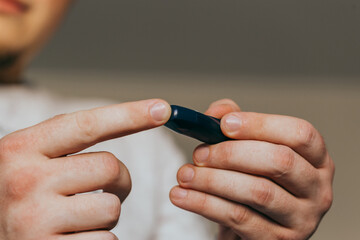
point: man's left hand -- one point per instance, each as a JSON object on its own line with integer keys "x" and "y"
{"x": 273, "y": 181}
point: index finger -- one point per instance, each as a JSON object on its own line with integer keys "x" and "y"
{"x": 71, "y": 133}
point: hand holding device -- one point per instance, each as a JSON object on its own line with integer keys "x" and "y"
{"x": 272, "y": 181}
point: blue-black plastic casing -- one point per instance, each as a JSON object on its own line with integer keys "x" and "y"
{"x": 196, "y": 125}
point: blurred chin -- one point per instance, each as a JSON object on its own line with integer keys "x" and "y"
{"x": 25, "y": 33}
{"x": 13, "y": 35}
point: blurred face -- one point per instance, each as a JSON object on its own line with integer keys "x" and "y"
{"x": 25, "y": 25}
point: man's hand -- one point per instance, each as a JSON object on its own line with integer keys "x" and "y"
{"x": 39, "y": 181}
{"x": 274, "y": 181}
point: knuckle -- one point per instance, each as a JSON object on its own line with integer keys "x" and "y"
{"x": 55, "y": 120}
{"x": 26, "y": 217}
{"x": 309, "y": 138}
{"x": 111, "y": 166}
{"x": 59, "y": 117}
{"x": 306, "y": 225}
{"x": 6, "y": 146}
{"x": 306, "y": 134}
{"x": 113, "y": 210}
{"x": 12, "y": 144}
{"x": 327, "y": 200}
{"x": 284, "y": 161}
{"x": 307, "y": 230}
{"x": 321, "y": 146}
{"x": 262, "y": 193}
{"x": 21, "y": 182}
{"x": 331, "y": 167}
{"x": 311, "y": 228}
{"x": 238, "y": 216}
{"x": 86, "y": 122}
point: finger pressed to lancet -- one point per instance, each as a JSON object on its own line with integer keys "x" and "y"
{"x": 71, "y": 133}
{"x": 295, "y": 133}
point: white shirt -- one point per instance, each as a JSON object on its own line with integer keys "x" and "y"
{"x": 150, "y": 156}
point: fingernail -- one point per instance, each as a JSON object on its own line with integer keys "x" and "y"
{"x": 232, "y": 124}
{"x": 201, "y": 154}
{"x": 179, "y": 193}
{"x": 186, "y": 174}
{"x": 158, "y": 112}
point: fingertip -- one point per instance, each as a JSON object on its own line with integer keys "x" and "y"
{"x": 160, "y": 111}
{"x": 222, "y": 107}
{"x": 186, "y": 174}
{"x": 177, "y": 194}
{"x": 226, "y": 101}
{"x": 231, "y": 124}
{"x": 201, "y": 154}
{"x": 181, "y": 171}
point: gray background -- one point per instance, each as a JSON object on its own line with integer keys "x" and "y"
{"x": 229, "y": 36}
{"x": 298, "y": 58}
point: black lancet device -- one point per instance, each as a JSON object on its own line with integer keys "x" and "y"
{"x": 196, "y": 125}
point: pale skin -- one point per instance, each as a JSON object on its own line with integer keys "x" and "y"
{"x": 273, "y": 181}
{"x": 39, "y": 181}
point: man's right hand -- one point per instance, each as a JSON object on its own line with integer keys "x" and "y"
{"x": 39, "y": 179}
